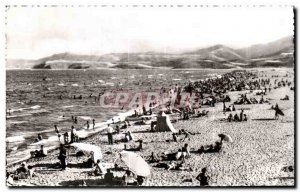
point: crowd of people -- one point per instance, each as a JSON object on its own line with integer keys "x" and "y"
{"x": 216, "y": 88}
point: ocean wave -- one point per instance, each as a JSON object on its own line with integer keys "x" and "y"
{"x": 16, "y": 116}
{"x": 67, "y": 106}
{"x": 85, "y": 117}
{"x": 15, "y": 138}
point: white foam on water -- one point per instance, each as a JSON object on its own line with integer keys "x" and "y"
{"x": 35, "y": 107}
{"x": 53, "y": 142}
{"x": 176, "y": 79}
{"x": 110, "y": 84}
{"x": 67, "y": 106}
{"x": 14, "y": 148}
{"x": 61, "y": 84}
{"x": 22, "y": 109}
{"x": 15, "y": 110}
{"x": 85, "y": 117}
{"x": 15, "y": 138}
{"x": 17, "y": 122}
{"x": 75, "y": 85}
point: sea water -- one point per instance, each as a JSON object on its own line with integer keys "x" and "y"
{"x": 36, "y": 100}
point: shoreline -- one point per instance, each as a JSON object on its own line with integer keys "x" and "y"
{"x": 234, "y": 154}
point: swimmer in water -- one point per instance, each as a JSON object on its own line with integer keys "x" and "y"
{"x": 56, "y": 129}
{"x": 75, "y": 120}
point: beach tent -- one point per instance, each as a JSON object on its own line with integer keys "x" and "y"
{"x": 164, "y": 124}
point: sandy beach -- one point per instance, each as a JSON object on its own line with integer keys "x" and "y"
{"x": 260, "y": 150}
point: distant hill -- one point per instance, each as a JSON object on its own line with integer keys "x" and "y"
{"x": 283, "y": 45}
{"x": 274, "y": 54}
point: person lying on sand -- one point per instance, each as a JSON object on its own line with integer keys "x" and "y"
{"x": 203, "y": 113}
{"x": 217, "y": 147}
{"x": 182, "y": 167}
{"x": 187, "y": 134}
{"x": 41, "y": 153}
{"x": 139, "y": 148}
{"x": 171, "y": 165}
{"x": 179, "y": 167}
{"x": 141, "y": 122}
{"x": 285, "y": 98}
{"x": 153, "y": 158}
{"x": 172, "y": 156}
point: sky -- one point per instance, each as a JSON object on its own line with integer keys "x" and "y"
{"x": 34, "y": 33}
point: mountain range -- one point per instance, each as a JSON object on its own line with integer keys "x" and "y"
{"x": 279, "y": 53}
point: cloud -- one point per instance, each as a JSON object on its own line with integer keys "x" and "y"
{"x": 38, "y": 32}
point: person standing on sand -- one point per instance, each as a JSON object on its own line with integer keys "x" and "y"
{"x": 203, "y": 178}
{"x": 109, "y": 134}
{"x": 87, "y": 124}
{"x": 73, "y": 134}
{"x": 66, "y": 138}
{"x": 93, "y": 123}
{"x": 62, "y": 157}
{"x": 241, "y": 115}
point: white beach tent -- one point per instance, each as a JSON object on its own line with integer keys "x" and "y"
{"x": 164, "y": 124}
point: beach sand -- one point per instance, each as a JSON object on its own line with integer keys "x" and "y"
{"x": 261, "y": 147}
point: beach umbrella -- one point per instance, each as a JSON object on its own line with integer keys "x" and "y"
{"x": 225, "y": 137}
{"x": 89, "y": 148}
{"x": 135, "y": 163}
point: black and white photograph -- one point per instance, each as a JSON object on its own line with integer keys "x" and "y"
{"x": 150, "y": 96}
